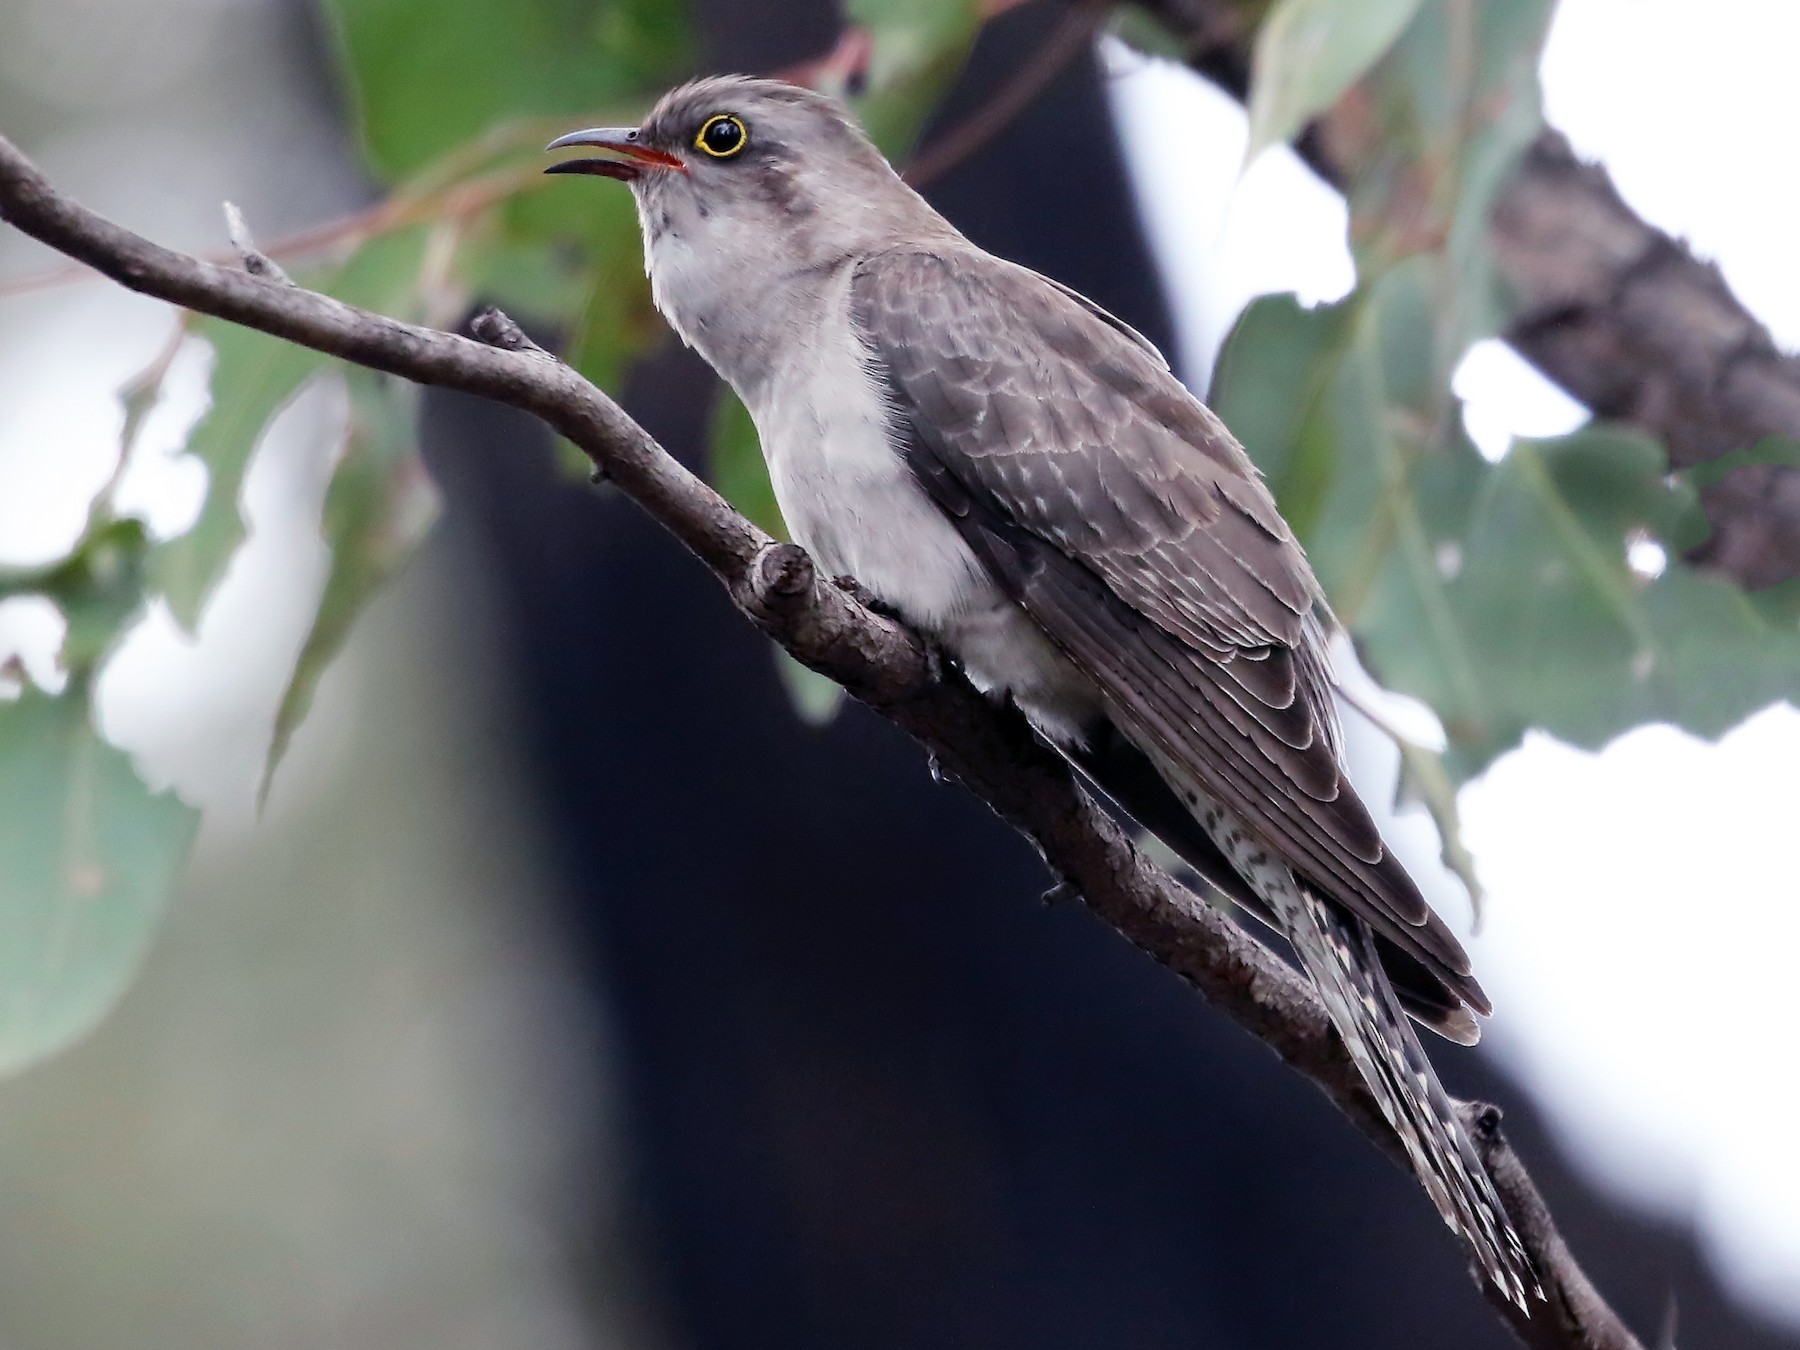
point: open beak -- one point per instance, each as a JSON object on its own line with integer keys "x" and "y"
{"x": 634, "y": 159}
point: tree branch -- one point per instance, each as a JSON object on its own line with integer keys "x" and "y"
{"x": 1072, "y": 36}
{"x": 881, "y": 662}
{"x": 1637, "y": 328}
{"x": 1615, "y": 311}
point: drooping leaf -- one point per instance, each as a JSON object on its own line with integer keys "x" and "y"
{"x": 614, "y": 320}
{"x": 254, "y": 377}
{"x": 1143, "y": 31}
{"x": 737, "y": 469}
{"x": 379, "y": 507}
{"x": 88, "y": 855}
{"x": 1350, "y": 413}
{"x": 816, "y": 698}
{"x": 1425, "y": 781}
{"x": 1308, "y": 53}
{"x": 1781, "y": 451}
{"x": 1499, "y": 594}
{"x": 98, "y": 588}
{"x": 1431, "y": 136}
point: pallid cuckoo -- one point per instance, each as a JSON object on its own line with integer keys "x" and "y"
{"x": 1019, "y": 475}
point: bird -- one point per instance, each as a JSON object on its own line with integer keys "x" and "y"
{"x": 1018, "y": 474}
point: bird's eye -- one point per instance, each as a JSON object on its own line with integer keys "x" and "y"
{"x": 722, "y": 136}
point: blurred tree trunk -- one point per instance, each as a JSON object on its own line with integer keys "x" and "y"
{"x": 1612, "y": 309}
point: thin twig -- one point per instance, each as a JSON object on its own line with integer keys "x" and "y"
{"x": 989, "y": 750}
{"x": 1071, "y": 36}
{"x": 456, "y": 200}
{"x": 255, "y": 261}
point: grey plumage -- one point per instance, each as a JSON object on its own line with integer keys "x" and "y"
{"x": 1019, "y": 474}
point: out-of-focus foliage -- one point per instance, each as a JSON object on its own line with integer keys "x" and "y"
{"x": 88, "y": 854}
{"x": 1308, "y": 52}
{"x": 429, "y": 77}
{"x": 88, "y": 851}
{"x": 378, "y": 508}
{"x": 1502, "y": 594}
{"x": 917, "y": 46}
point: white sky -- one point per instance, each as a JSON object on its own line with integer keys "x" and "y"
{"x": 1642, "y": 939}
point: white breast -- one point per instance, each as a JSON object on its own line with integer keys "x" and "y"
{"x": 847, "y": 495}
{"x": 844, "y": 490}
{"x": 851, "y": 501}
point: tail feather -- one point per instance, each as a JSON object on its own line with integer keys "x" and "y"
{"x": 1338, "y": 952}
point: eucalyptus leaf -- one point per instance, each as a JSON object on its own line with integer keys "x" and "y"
{"x": 379, "y": 507}
{"x": 427, "y": 76}
{"x": 1308, "y": 54}
{"x": 1499, "y": 594}
{"x": 1146, "y": 32}
{"x": 1349, "y": 410}
{"x": 88, "y": 855}
{"x": 918, "y": 47}
{"x": 615, "y": 320}
{"x": 254, "y": 377}
{"x": 1425, "y": 781}
{"x": 816, "y": 698}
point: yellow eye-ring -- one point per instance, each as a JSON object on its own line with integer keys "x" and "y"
{"x": 722, "y": 136}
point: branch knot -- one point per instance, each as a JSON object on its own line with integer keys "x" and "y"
{"x": 495, "y": 328}
{"x": 783, "y": 578}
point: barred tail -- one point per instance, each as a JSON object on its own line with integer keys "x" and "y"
{"x": 1338, "y": 953}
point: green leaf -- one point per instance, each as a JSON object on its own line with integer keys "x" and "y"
{"x": 1777, "y": 450}
{"x": 1308, "y": 54}
{"x": 737, "y": 469}
{"x": 1499, "y": 594}
{"x": 98, "y": 589}
{"x": 379, "y": 507}
{"x": 427, "y": 76}
{"x": 736, "y": 465}
{"x": 254, "y": 377}
{"x": 1437, "y": 126}
{"x": 816, "y": 698}
{"x": 88, "y": 856}
{"x": 1148, "y": 33}
{"x": 1779, "y": 603}
{"x": 614, "y": 319}
{"x": 918, "y": 48}
{"x": 1349, "y": 410}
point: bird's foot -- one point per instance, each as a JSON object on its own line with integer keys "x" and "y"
{"x": 866, "y": 598}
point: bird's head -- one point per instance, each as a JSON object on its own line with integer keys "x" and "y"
{"x": 765, "y": 161}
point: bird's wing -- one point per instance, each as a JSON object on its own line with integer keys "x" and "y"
{"x": 1123, "y": 516}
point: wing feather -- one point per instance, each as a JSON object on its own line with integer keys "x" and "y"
{"x": 1123, "y": 516}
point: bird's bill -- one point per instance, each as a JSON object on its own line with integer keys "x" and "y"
{"x": 622, "y": 141}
